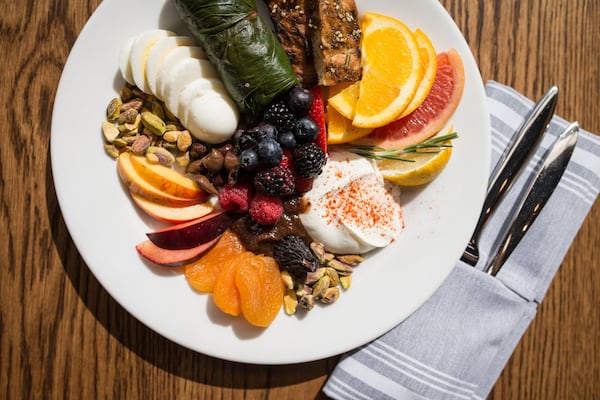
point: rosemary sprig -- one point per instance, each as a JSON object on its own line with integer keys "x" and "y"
{"x": 379, "y": 153}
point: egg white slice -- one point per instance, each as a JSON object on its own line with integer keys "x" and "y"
{"x": 139, "y": 54}
{"x": 175, "y": 56}
{"x": 212, "y": 118}
{"x": 197, "y": 88}
{"x": 159, "y": 52}
{"x": 124, "y": 56}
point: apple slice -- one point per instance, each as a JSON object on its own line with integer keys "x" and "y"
{"x": 192, "y": 233}
{"x": 137, "y": 184}
{"x": 172, "y": 258}
{"x": 172, "y": 215}
{"x": 167, "y": 180}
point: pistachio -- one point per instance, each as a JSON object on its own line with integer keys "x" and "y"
{"x": 183, "y": 160}
{"x": 290, "y": 302}
{"x": 307, "y": 302}
{"x": 184, "y": 140}
{"x": 132, "y": 127}
{"x": 288, "y": 280}
{"x": 172, "y": 127}
{"x": 321, "y": 286}
{"x": 205, "y": 184}
{"x": 120, "y": 143}
{"x": 330, "y": 295}
{"x": 153, "y": 123}
{"x": 140, "y": 145}
{"x": 136, "y": 104}
{"x": 164, "y": 156}
{"x": 110, "y": 131}
{"x": 128, "y": 116}
{"x": 171, "y": 136}
{"x": 340, "y": 267}
{"x": 113, "y": 109}
{"x": 351, "y": 259}
{"x": 318, "y": 250}
{"x": 125, "y": 93}
{"x": 314, "y": 276}
{"x": 334, "y": 277}
{"x": 157, "y": 109}
{"x": 346, "y": 281}
{"x": 152, "y": 158}
{"x": 112, "y": 150}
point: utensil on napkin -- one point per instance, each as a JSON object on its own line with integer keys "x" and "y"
{"x": 456, "y": 345}
{"x": 515, "y": 157}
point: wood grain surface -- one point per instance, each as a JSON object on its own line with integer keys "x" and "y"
{"x": 63, "y": 336}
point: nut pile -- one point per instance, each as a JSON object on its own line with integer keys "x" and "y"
{"x": 321, "y": 283}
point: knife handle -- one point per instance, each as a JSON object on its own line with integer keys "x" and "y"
{"x": 521, "y": 148}
{"x": 546, "y": 180}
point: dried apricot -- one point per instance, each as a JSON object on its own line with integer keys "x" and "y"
{"x": 261, "y": 289}
{"x": 225, "y": 292}
{"x": 202, "y": 273}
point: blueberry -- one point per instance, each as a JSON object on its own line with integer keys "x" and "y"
{"x": 270, "y": 152}
{"x": 265, "y": 131}
{"x": 287, "y": 140}
{"x": 249, "y": 160}
{"x": 305, "y": 130}
{"x": 299, "y": 100}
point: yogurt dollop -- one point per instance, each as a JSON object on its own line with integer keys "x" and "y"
{"x": 350, "y": 209}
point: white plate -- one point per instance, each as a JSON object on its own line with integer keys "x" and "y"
{"x": 105, "y": 225}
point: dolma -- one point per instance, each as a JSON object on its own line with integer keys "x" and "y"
{"x": 250, "y": 60}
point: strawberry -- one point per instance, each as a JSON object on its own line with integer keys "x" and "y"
{"x": 317, "y": 114}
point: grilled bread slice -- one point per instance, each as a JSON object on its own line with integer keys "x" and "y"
{"x": 291, "y": 19}
{"x": 335, "y": 37}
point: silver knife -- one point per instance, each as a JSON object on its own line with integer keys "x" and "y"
{"x": 519, "y": 151}
{"x": 542, "y": 186}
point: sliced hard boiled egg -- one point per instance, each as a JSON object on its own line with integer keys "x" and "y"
{"x": 124, "y": 64}
{"x": 182, "y": 73}
{"x": 212, "y": 118}
{"x": 159, "y": 52}
{"x": 175, "y": 56}
{"x": 139, "y": 53}
{"x": 197, "y": 88}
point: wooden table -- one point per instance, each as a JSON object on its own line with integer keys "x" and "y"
{"x": 63, "y": 336}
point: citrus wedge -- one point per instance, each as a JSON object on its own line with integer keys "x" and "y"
{"x": 391, "y": 71}
{"x": 429, "y": 68}
{"x": 340, "y": 129}
{"x": 423, "y": 167}
{"x": 344, "y": 97}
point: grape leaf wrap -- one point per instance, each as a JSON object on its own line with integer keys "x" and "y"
{"x": 250, "y": 60}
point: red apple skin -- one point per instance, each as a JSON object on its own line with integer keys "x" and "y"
{"x": 193, "y": 233}
{"x": 172, "y": 258}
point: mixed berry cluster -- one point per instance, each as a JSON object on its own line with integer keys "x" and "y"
{"x": 278, "y": 157}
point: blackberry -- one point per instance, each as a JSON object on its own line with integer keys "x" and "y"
{"x": 279, "y": 115}
{"x": 276, "y": 181}
{"x": 309, "y": 160}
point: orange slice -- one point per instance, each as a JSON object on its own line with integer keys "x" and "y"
{"x": 429, "y": 68}
{"x": 340, "y": 129}
{"x": 391, "y": 71}
{"x": 344, "y": 97}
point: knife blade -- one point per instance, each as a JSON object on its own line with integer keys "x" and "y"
{"x": 539, "y": 191}
{"x": 519, "y": 150}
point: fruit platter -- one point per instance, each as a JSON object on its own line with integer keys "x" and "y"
{"x": 206, "y": 193}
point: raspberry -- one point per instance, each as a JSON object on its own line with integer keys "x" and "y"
{"x": 309, "y": 160}
{"x": 302, "y": 184}
{"x": 276, "y": 181}
{"x": 235, "y": 197}
{"x": 264, "y": 209}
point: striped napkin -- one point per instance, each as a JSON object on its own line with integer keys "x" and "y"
{"x": 456, "y": 345}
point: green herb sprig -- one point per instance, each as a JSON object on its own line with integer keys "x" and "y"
{"x": 428, "y": 146}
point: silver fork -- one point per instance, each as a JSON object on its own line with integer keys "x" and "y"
{"x": 511, "y": 163}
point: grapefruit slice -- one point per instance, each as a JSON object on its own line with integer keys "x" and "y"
{"x": 432, "y": 115}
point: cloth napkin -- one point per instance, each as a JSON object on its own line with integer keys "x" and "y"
{"x": 456, "y": 345}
